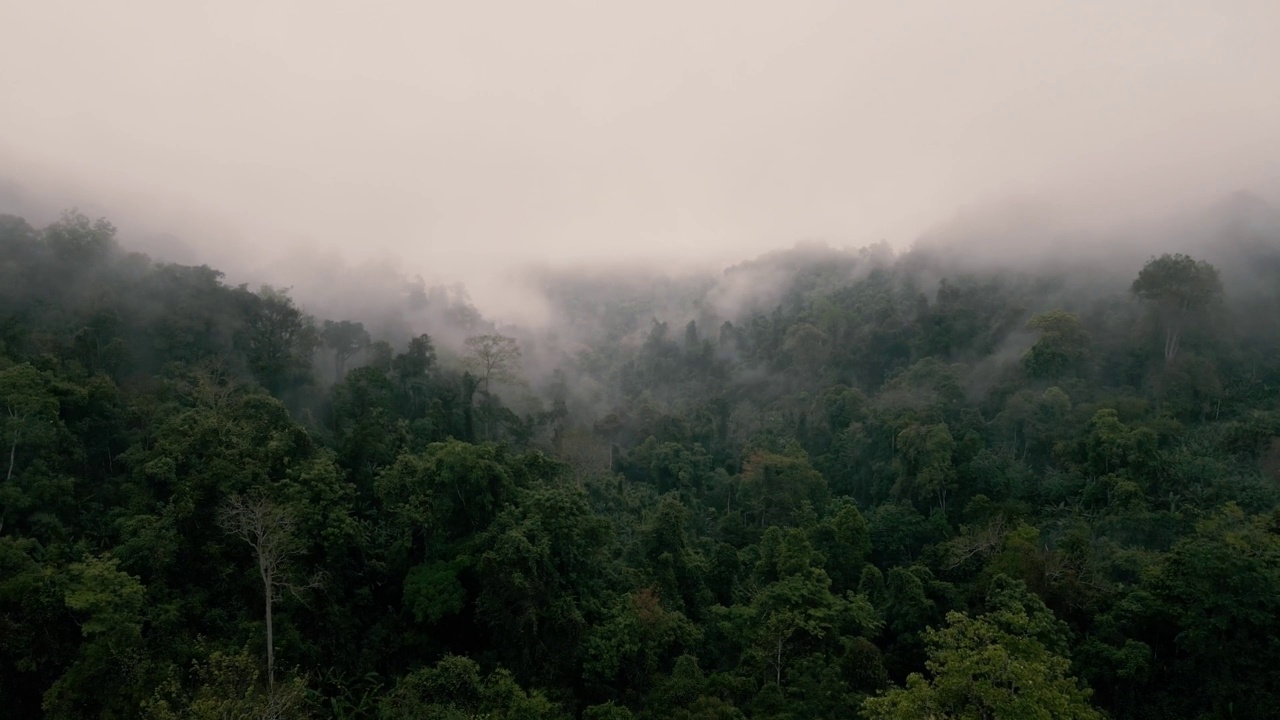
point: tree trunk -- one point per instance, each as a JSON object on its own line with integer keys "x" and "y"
{"x": 339, "y": 367}
{"x": 1173, "y": 332}
{"x": 267, "y": 581}
{"x": 1171, "y": 337}
{"x": 13, "y": 451}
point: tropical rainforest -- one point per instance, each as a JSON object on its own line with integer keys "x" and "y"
{"x": 822, "y": 484}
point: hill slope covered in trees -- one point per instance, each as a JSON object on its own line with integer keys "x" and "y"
{"x": 826, "y": 484}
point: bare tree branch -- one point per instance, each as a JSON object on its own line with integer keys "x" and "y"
{"x": 268, "y": 529}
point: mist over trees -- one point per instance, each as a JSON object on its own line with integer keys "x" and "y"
{"x": 824, "y": 483}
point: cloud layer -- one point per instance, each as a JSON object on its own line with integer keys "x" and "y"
{"x": 468, "y": 139}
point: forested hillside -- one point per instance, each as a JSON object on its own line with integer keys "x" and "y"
{"x": 824, "y": 484}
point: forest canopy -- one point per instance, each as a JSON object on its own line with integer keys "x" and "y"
{"x": 828, "y": 484}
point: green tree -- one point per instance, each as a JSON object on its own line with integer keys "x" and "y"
{"x": 807, "y": 347}
{"x": 1062, "y": 346}
{"x": 1215, "y": 606}
{"x": 111, "y": 666}
{"x": 845, "y": 540}
{"x": 996, "y": 666}
{"x": 412, "y": 370}
{"x": 368, "y": 434}
{"x": 639, "y": 639}
{"x": 228, "y": 686}
{"x": 80, "y": 242}
{"x": 345, "y": 339}
{"x": 30, "y": 411}
{"x": 777, "y": 486}
{"x": 278, "y": 338}
{"x": 792, "y": 612}
{"x": 1179, "y": 287}
{"x": 455, "y": 689}
{"x": 925, "y": 468}
{"x": 434, "y": 500}
{"x": 539, "y": 573}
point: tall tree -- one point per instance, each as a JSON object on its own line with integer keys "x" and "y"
{"x": 268, "y": 529}
{"x": 345, "y": 339}
{"x": 1180, "y": 287}
{"x": 29, "y": 410}
{"x": 412, "y": 370}
{"x": 278, "y": 339}
{"x": 493, "y": 357}
{"x": 79, "y": 241}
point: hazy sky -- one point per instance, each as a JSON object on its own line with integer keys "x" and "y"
{"x": 459, "y": 134}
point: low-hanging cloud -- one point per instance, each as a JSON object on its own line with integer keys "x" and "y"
{"x": 461, "y": 142}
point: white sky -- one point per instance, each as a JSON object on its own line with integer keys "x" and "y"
{"x": 471, "y": 135}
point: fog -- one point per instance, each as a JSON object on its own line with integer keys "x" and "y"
{"x": 466, "y": 141}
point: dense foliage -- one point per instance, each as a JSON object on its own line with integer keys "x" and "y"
{"x": 828, "y": 485}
